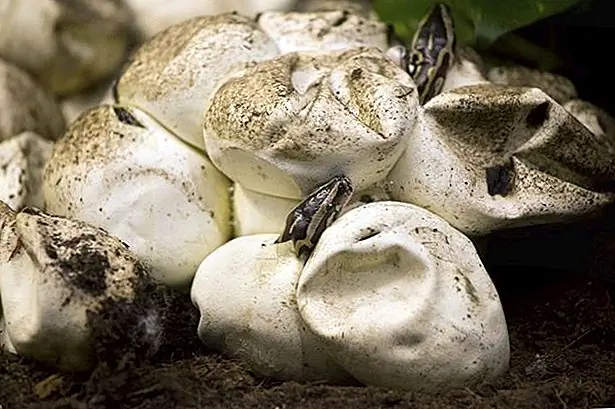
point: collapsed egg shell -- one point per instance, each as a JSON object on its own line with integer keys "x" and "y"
{"x": 72, "y": 295}
{"x": 173, "y": 75}
{"x": 27, "y": 106}
{"x": 314, "y": 117}
{"x": 487, "y": 157}
{"x": 400, "y": 299}
{"x": 119, "y": 169}
{"x": 67, "y": 45}
{"x": 245, "y": 292}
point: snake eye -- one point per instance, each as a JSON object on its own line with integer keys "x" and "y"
{"x": 125, "y": 117}
{"x": 369, "y": 233}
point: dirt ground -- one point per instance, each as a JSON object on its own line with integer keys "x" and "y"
{"x": 562, "y": 332}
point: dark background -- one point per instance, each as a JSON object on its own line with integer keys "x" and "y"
{"x": 584, "y": 40}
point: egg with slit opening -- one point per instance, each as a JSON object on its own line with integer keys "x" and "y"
{"x": 400, "y": 299}
{"x": 315, "y": 116}
{"x": 118, "y": 168}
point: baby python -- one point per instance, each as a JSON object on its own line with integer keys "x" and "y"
{"x": 430, "y": 57}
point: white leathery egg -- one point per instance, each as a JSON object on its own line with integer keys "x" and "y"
{"x": 596, "y": 119}
{"x": 314, "y": 117}
{"x": 173, "y": 75}
{"x": 22, "y": 161}
{"x": 27, "y": 106}
{"x": 487, "y": 157}
{"x": 468, "y": 68}
{"x": 66, "y": 45}
{"x": 257, "y": 213}
{"x": 245, "y": 292}
{"x": 154, "y": 16}
{"x": 72, "y": 295}
{"x": 119, "y": 169}
{"x": 400, "y": 299}
{"x": 319, "y": 31}
{"x": 560, "y": 88}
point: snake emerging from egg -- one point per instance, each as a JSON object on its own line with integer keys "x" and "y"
{"x": 428, "y": 61}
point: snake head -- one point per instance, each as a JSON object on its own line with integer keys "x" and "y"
{"x": 309, "y": 219}
{"x": 433, "y": 48}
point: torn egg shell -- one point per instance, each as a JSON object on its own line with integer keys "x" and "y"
{"x": 26, "y": 105}
{"x": 319, "y": 31}
{"x": 315, "y": 116}
{"x": 596, "y": 119}
{"x": 66, "y": 45}
{"x": 22, "y": 161}
{"x": 400, "y": 299}
{"x": 490, "y": 157}
{"x": 152, "y": 17}
{"x": 71, "y": 294}
{"x": 560, "y": 88}
{"x": 174, "y": 75}
{"x": 118, "y": 169}
{"x": 245, "y": 292}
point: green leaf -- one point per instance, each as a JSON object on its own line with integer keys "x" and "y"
{"x": 477, "y": 22}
